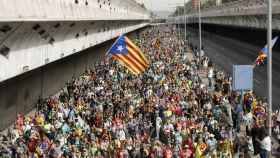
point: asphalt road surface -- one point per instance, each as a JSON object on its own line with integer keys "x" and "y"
{"x": 229, "y": 47}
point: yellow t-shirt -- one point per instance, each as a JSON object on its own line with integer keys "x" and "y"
{"x": 40, "y": 120}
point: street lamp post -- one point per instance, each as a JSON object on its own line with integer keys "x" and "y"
{"x": 179, "y": 22}
{"x": 269, "y": 61}
{"x": 199, "y": 25}
{"x": 185, "y": 21}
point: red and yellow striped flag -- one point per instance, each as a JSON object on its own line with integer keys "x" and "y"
{"x": 129, "y": 55}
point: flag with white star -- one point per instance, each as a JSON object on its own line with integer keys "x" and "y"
{"x": 129, "y": 55}
{"x": 264, "y": 52}
{"x": 119, "y": 46}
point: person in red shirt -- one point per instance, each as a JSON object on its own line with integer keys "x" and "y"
{"x": 20, "y": 122}
{"x": 167, "y": 152}
{"x": 186, "y": 152}
{"x": 178, "y": 110}
{"x": 32, "y": 144}
{"x": 189, "y": 143}
{"x": 179, "y": 125}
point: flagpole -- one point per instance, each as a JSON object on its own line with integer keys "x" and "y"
{"x": 269, "y": 61}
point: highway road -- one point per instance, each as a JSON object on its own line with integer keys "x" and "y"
{"x": 229, "y": 47}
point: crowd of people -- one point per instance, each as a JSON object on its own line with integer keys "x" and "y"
{"x": 169, "y": 111}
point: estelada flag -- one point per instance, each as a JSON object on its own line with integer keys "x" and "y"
{"x": 263, "y": 53}
{"x": 129, "y": 55}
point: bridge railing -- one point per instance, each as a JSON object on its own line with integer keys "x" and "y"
{"x": 239, "y": 7}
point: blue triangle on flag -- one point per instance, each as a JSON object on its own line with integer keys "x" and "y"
{"x": 119, "y": 47}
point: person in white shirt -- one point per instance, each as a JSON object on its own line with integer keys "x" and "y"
{"x": 202, "y": 53}
{"x": 265, "y": 144}
{"x": 278, "y": 116}
{"x": 121, "y": 135}
{"x": 210, "y": 77}
{"x": 249, "y": 118}
{"x": 250, "y": 146}
{"x": 158, "y": 126}
{"x": 277, "y": 129}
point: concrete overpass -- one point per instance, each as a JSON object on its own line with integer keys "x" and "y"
{"x": 44, "y": 43}
{"x": 241, "y": 13}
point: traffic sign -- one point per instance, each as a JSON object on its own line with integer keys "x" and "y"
{"x": 242, "y": 77}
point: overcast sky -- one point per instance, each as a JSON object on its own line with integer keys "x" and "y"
{"x": 162, "y": 5}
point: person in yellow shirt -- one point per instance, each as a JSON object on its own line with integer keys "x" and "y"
{"x": 40, "y": 120}
{"x": 200, "y": 148}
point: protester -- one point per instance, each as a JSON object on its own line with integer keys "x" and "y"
{"x": 265, "y": 143}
